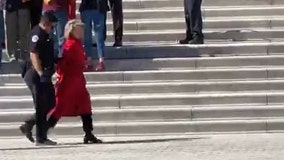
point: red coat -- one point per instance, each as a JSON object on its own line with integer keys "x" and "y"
{"x": 72, "y": 96}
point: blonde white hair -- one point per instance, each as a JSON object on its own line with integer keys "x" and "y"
{"x": 69, "y": 27}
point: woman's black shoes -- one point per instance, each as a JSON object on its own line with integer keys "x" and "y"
{"x": 91, "y": 139}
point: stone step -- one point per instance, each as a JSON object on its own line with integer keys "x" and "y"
{"x": 182, "y": 63}
{"x": 178, "y": 12}
{"x": 176, "y": 127}
{"x": 209, "y": 23}
{"x": 161, "y": 114}
{"x": 138, "y": 4}
{"x": 195, "y": 63}
{"x": 170, "y": 75}
{"x": 144, "y": 100}
{"x": 165, "y": 87}
{"x": 230, "y": 34}
{"x": 169, "y": 49}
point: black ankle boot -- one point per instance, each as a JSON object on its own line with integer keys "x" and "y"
{"x": 27, "y": 130}
{"x": 90, "y": 138}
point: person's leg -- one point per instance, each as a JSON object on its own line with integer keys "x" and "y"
{"x": 40, "y": 116}
{"x": 2, "y": 27}
{"x": 72, "y": 9}
{"x": 197, "y": 25}
{"x": 86, "y": 17}
{"x": 27, "y": 127}
{"x": 24, "y": 29}
{"x": 98, "y": 21}
{"x": 88, "y": 128}
{"x": 35, "y": 12}
{"x": 11, "y": 19}
{"x": 2, "y": 35}
{"x": 105, "y": 27}
{"x": 188, "y": 6}
{"x": 50, "y": 104}
{"x": 1, "y": 54}
{"x": 117, "y": 17}
{"x": 62, "y": 17}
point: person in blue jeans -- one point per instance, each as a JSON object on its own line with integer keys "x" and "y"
{"x": 60, "y": 11}
{"x": 93, "y": 16}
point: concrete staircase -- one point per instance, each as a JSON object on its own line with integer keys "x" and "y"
{"x": 233, "y": 83}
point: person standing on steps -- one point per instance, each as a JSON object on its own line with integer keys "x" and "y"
{"x": 93, "y": 14}
{"x": 35, "y": 8}
{"x": 117, "y": 18}
{"x": 2, "y": 29}
{"x": 72, "y": 96}
{"x": 17, "y": 20}
{"x": 38, "y": 78}
{"x": 60, "y": 9}
{"x": 194, "y": 24}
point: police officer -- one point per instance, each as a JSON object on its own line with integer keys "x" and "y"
{"x": 193, "y": 18}
{"x": 38, "y": 78}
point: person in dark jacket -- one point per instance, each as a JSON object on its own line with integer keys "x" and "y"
{"x": 93, "y": 14}
{"x": 17, "y": 27}
{"x": 38, "y": 78}
{"x": 193, "y": 18}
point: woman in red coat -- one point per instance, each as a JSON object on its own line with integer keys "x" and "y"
{"x": 72, "y": 96}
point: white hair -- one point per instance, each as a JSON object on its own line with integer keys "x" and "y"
{"x": 69, "y": 27}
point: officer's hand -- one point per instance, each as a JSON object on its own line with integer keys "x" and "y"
{"x": 40, "y": 73}
{"x": 45, "y": 77}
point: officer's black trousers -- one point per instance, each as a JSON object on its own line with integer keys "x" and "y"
{"x": 44, "y": 100}
{"x": 193, "y": 18}
{"x": 35, "y": 12}
{"x": 117, "y": 17}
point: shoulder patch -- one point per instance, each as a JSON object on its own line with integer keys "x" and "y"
{"x": 35, "y": 38}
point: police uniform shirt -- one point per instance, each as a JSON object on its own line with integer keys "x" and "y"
{"x": 41, "y": 44}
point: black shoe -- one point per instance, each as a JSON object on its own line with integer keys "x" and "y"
{"x": 183, "y": 41}
{"x": 94, "y": 45}
{"x": 26, "y": 130}
{"x": 197, "y": 41}
{"x": 90, "y": 138}
{"x": 117, "y": 44}
{"x": 46, "y": 142}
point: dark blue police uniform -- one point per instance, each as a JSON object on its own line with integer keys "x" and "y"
{"x": 41, "y": 87}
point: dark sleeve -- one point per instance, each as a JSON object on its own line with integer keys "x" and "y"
{"x": 34, "y": 43}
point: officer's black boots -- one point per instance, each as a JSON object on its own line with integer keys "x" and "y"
{"x": 90, "y": 138}
{"x": 26, "y": 129}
